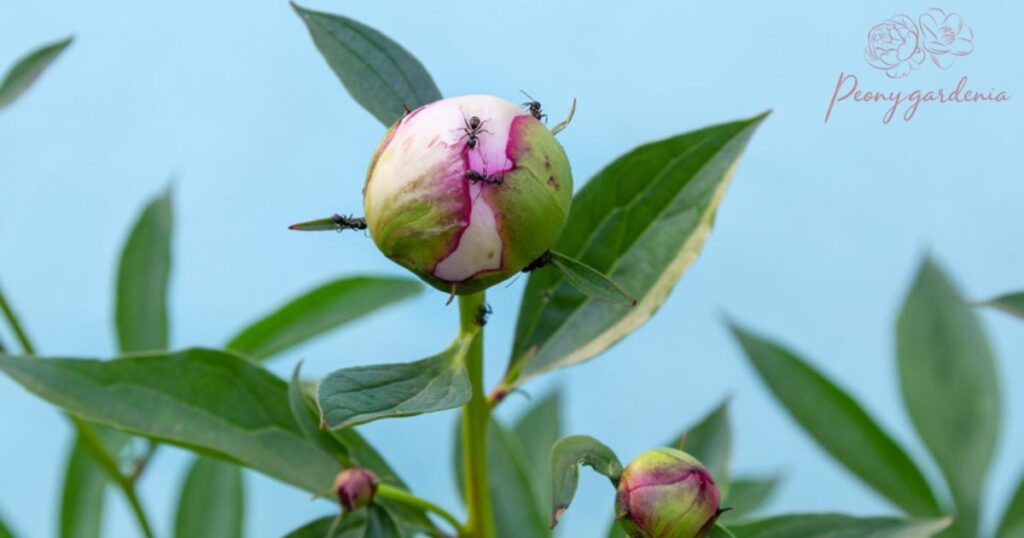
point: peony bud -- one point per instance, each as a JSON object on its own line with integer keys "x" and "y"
{"x": 355, "y": 487}
{"x": 666, "y": 493}
{"x": 467, "y": 191}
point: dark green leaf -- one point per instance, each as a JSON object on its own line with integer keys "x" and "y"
{"x": 537, "y": 431}
{"x": 320, "y": 310}
{"x": 361, "y": 394}
{"x": 950, "y": 386}
{"x": 641, "y": 221}
{"x": 211, "y": 401}
{"x": 27, "y": 70}
{"x": 838, "y": 526}
{"x": 382, "y": 76}
{"x": 305, "y": 416}
{"x": 746, "y": 496}
{"x": 1011, "y": 303}
{"x": 517, "y": 508}
{"x": 710, "y": 441}
{"x": 380, "y": 523}
{"x": 1012, "y": 525}
{"x": 840, "y": 425}
{"x": 566, "y": 456}
{"x": 589, "y": 281}
{"x": 4, "y": 531}
{"x": 719, "y": 531}
{"x": 351, "y": 526}
{"x": 142, "y": 276}
{"x": 212, "y": 501}
{"x": 85, "y": 484}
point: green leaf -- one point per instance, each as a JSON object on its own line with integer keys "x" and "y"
{"x": 85, "y": 485}
{"x": 839, "y": 425}
{"x": 746, "y": 496}
{"x": 362, "y": 394}
{"x": 142, "y": 277}
{"x": 950, "y": 386}
{"x": 589, "y": 281}
{"x": 710, "y": 441}
{"x": 641, "y": 221}
{"x": 380, "y": 75}
{"x": 517, "y": 508}
{"x": 329, "y": 306}
{"x": 380, "y": 523}
{"x": 1011, "y": 303}
{"x": 4, "y": 531}
{"x": 838, "y": 526}
{"x": 306, "y": 417}
{"x": 351, "y": 526}
{"x": 1012, "y": 525}
{"x": 566, "y": 456}
{"x": 719, "y": 531}
{"x": 27, "y": 70}
{"x": 537, "y": 431}
{"x": 210, "y": 401}
{"x": 212, "y": 501}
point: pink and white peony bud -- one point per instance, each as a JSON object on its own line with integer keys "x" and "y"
{"x": 666, "y": 493}
{"x": 467, "y": 191}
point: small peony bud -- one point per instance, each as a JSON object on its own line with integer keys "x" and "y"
{"x": 666, "y": 493}
{"x": 355, "y": 487}
{"x": 467, "y": 191}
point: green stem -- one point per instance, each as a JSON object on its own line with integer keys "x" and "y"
{"x": 475, "y": 418}
{"x": 386, "y": 491}
{"x": 97, "y": 448}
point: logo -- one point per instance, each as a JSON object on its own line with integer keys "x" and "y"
{"x": 900, "y": 46}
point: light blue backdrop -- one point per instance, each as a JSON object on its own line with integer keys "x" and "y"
{"x": 815, "y": 243}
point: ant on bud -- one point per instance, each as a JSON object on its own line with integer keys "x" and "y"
{"x": 471, "y": 132}
{"x": 483, "y": 313}
{"x": 533, "y": 106}
{"x": 475, "y": 177}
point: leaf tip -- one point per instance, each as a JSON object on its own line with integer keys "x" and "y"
{"x": 557, "y": 515}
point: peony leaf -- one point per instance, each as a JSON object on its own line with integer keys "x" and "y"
{"x": 142, "y": 279}
{"x": 641, "y": 221}
{"x": 589, "y": 281}
{"x": 1011, "y": 303}
{"x": 566, "y": 457}
{"x": 836, "y": 525}
{"x": 28, "y": 69}
{"x": 317, "y": 311}
{"x": 212, "y": 501}
{"x": 362, "y": 394}
{"x": 382, "y": 76}
{"x": 746, "y": 496}
{"x": 1013, "y": 520}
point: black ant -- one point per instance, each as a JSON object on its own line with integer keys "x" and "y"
{"x": 348, "y": 223}
{"x": 482, "y": 314}
{"x": 533, "y": 106}
{"x": 475, "y": 176}
{"x": 472, "y": 130}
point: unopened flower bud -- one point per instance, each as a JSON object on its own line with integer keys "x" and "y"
{"x": 467, "y": 191}
{"x": 666, "y": 493}
{"x": 355, "y": 487}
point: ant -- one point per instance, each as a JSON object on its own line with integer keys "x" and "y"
{"x": 533, "y": 106}
{"x": 475, "y": 176}
{"x": 348, "y": 223}
{"x": 472, "y": 130}
{"x": 482, "y": 314}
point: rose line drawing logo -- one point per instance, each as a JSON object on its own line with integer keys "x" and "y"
{"x": 900, "y": 45}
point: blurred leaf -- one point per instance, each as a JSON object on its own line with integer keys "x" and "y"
{"x": 589, "y": 281}
{"x": 380, "y": 523}
{"x": 837, "y": 526}
{"x": 205, "y": 400}
{"x": 719, "y": 531}
{"x": 641, "y": 221}
{"x": 839, "y": 425}
{"x": 320, "y": 310}
{"x": 1012, "y": 525}
{"x": 142, "y": 276}
{"x": 85, "y": 485}
{"x": 27, "y": 70}
{"x": 306, "y": 418}
{"x": 351, "y": 526}
{"x": 212, "y": 501}
{"x": 378, "y": 73}
{"x": 950, "y": 386}
{"x": 4, "y": 531}
{"x": 1011, "y": 303}
{"x": 566, "y": 456}
{"x": 517, "y": 508}
{"x": 746, "y": 496}
{"x": 710, "y": 441}
{"x": 362, "y": 394}
{"x": 539, "y": 428}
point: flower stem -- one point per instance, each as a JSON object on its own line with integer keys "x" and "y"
{"x": 386, "y": 491}
{"x": 475, "y": 419}
{"x": 86, "y": 432}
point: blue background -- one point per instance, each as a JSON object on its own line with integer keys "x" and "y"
{"x": 229, "y": 101}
